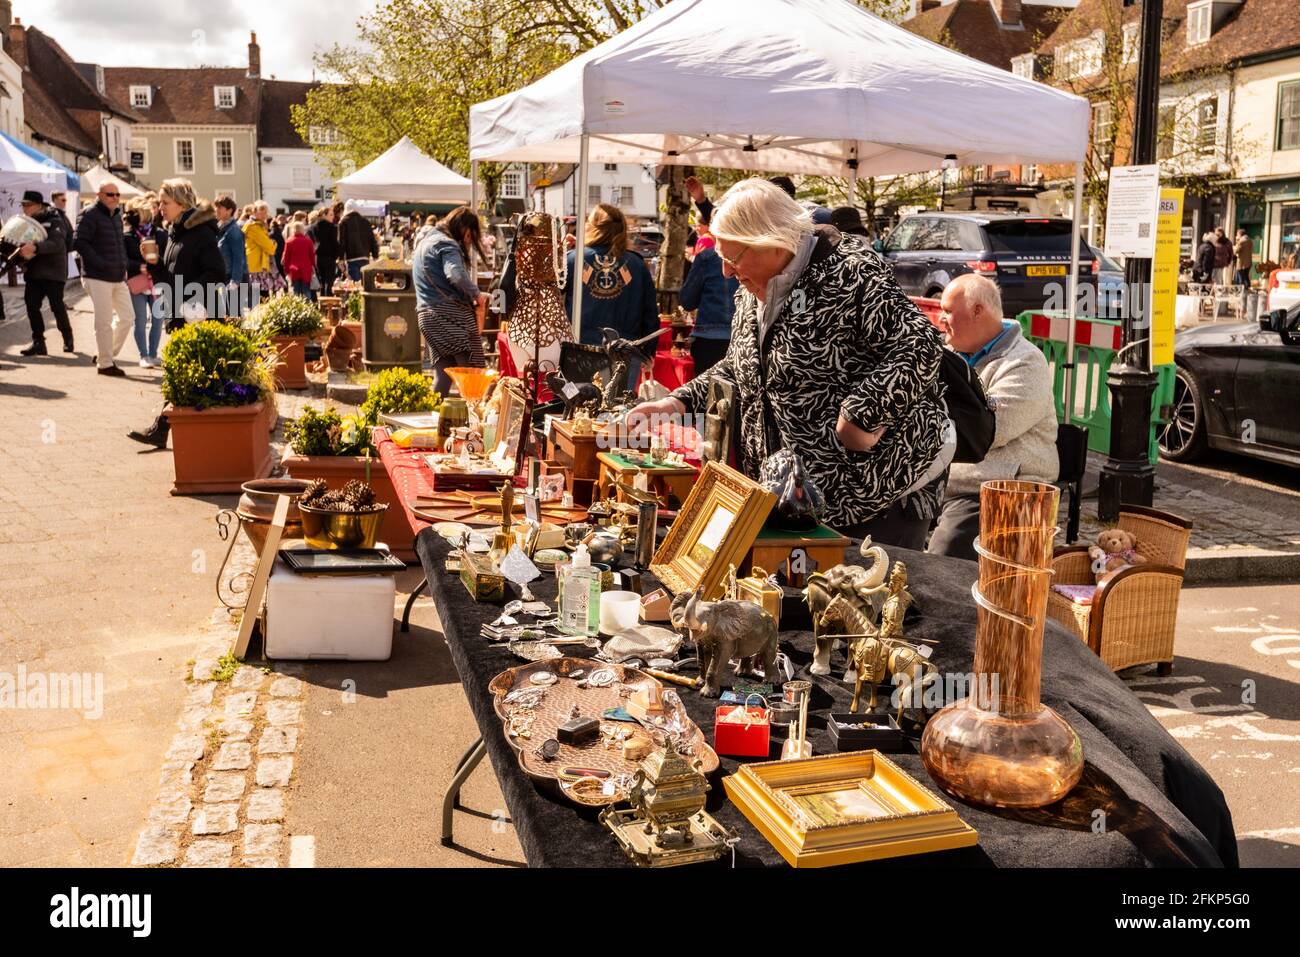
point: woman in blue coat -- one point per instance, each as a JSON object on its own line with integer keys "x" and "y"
{"x": 618, "y": 291}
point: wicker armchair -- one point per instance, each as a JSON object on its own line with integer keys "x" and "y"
{"x": 1131, "y": 619}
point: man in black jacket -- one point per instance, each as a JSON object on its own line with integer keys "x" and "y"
{"x": 45, "y": 273}
{"x": 102, "y": 248}
{"x": 357, "y": 240}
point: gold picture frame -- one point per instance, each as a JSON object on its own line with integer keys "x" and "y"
{"x": 844, "y": 808}
{"x": 716, "y": 526}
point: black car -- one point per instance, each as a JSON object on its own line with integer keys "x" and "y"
{"x": 1235, "y": 390}
{"x": 1027, "y": 256}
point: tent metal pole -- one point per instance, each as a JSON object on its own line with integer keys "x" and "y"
{"x": 580, "y": 250}
{"x": 473, "y": 185}
{"x": 1076, "y": 230}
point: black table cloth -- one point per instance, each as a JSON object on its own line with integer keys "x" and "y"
{"x": 1143, "y": 802}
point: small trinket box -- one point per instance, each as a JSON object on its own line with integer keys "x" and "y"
{"x": 742, "y": 731}
{"x": 578, "y": 731}
{"x": 864, "y": 732}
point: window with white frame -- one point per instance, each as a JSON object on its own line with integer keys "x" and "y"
{"x": 593, "y": 195}
{"x": 1103, "y": 131}
{"x": 624, "y": 196}
{"x": 223, "y": 152}
{"x": 224, "y": 97}
{"x": 611, "y": 167}
{"x": 512, "y": 185}
{"x": 323, "y": 135}
{"x": 1207, "y": 126}
{"x": 1199, "y": 23}
{"x": 184, "y": 156}
{"x": 1023, "y": 66}
{"x": 138, "y": 155}
{"x": 1080, "y": 58}
{"x": 1129, "y": 51}
{"x": 300, "y": 177}
{"x": 142, "y": 96}
{"x": 1288, "y": 115}
{"x": 1029, "y": 173}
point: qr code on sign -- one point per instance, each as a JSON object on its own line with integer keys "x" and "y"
{"x": 1144, "y": 230}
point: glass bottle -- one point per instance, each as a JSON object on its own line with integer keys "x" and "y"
{"x": 580, "y": 596}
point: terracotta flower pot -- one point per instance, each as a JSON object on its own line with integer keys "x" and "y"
{"x": 218, "y": 450}
{"x": 291, "y": 370}
{"x": 338, "y": 470}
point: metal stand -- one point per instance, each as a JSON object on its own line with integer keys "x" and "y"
{"x": 451, "y": 800}
{"x": 1128, "y": 477}
{"x": 406, "y": 612}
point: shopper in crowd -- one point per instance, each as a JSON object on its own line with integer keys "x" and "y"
{"x": 59, "y": 200}
{"x": 848, "y": 220}
{"x": 1206, "y": 256}
{"x": 618, "y": 291}
{"x": 713, "y": 297}
{"x": 246, "y": 215}
{"x": 259, "y": 247}
{"x": 1018, "y": 383}
{"x": 357, "y": 241}
{"x": 194, "y": 270}
{"x": 430, "y": 224}
{"x": 45, "y": 272}
{"x": 300, "y": 260}
{"x": 276, "y": 230}
{"x": 1243, "y": 254}
{"x": 101, "y": 244}
{"x": 325, "y": 234}
{"x": 1222, "y": 257}
{"x": 703, "y": 237}
{"x": 232, "y": 243}
{"x": 446, "y": 295}
{"x": 138, "y": 221}
{"x": 848, "y": 373}
{"x": 821, "y": 216}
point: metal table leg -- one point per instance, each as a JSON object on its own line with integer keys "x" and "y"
{"x": 406, "y": 613}
{"x": 468, "y": 763}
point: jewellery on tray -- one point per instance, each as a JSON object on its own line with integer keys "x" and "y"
{"x": 525, "y": 697}
{"x": 600, "y": 678}
{"x": 543, "y": 678}
{"x": 549, "y": 749}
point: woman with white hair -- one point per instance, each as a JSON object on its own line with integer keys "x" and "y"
{"x": 829, "y": 359}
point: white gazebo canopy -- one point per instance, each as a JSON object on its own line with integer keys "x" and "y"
{"x": 97, "y": 176}
{"x": 403, "y": 174}
{"x": 801, "y": 86}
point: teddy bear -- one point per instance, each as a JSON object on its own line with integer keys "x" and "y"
{"x": 1115, "y": 551}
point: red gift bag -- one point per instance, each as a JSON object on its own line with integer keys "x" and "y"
{"x": 742, "y": 731}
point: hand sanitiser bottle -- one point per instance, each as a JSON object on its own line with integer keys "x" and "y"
{"x": 580, "y": 596}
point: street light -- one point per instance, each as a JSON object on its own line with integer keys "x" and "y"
{"x": 1129, "y": 477}
{"x": 949, "y": 162}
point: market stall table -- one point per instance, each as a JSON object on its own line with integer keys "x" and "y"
{"x": 664, "y": 479}
{"x": 1161, "y": 807}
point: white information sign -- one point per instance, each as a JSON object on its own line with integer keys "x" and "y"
{"x": 1132, "y": 208}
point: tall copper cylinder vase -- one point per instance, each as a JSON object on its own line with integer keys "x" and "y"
{"x": 1001, "y": 746}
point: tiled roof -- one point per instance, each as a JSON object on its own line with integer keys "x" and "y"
{"x": 275, "y": 129}
{"x": 973, "y": 28}
{"x": 1255, "y": 28}
{"x": 53, "y": 87}
{"x": 186, "y": 96}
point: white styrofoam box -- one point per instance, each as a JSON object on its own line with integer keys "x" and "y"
{"x": 344, "y": 617}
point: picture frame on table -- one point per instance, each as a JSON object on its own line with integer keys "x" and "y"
{"x": 716, "y": 526}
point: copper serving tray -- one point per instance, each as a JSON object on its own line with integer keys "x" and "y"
{"x": 844, "y": 808}
{"x": 593, "y": 702}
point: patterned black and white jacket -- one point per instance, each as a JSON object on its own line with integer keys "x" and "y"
{"x": 847, "y": 341}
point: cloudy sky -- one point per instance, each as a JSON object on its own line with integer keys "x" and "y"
{"x": 196, "y": 32}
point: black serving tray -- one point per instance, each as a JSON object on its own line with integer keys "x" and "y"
{"x": 884, "y": 735}
{"x": 324, "y": 561}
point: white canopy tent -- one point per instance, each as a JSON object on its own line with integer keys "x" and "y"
{"x": 95, "y": 177}
{"x": 802, "y": 86}
{"x": 403, "y": 174}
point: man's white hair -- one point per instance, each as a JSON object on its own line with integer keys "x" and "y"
{"x": 756, "y": 213}
{"x": 979, "y": 290}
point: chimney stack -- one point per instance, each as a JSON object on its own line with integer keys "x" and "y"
{"x": 254, "y": 56}
{"x": 1008, "y": 12}
{"x": 16, "y": 44}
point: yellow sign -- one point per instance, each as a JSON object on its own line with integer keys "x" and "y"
{"x": 1164, "y": 276}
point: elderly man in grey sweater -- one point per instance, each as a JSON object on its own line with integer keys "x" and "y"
{"x": 1018, "y": 383}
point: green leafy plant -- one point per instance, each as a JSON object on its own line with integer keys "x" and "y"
{"x": 354, "y": 306}
{"x": 207, "y": 364}
{"x": 397, "y": 391}
{"x": 287, "y": 315}
{"x": 326, "y": 432}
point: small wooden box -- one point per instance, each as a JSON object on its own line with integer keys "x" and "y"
{"x": 481, "y": 579}
{"x": 755, "y": 588}
{"x": 577, "y": 455}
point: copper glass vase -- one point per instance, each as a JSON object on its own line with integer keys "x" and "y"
{"x": 1001, "y": 746}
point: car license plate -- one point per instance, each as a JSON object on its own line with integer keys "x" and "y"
{"x": 1289, "y": 284}
{"x": 1044, "y": 270}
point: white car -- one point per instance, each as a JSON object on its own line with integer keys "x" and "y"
{"x": 1287, "y": 293}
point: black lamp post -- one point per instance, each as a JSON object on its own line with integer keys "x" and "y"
{"x": 1129, "y": 477}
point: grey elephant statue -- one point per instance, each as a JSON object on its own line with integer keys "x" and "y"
{"x": 723, "y": 630}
